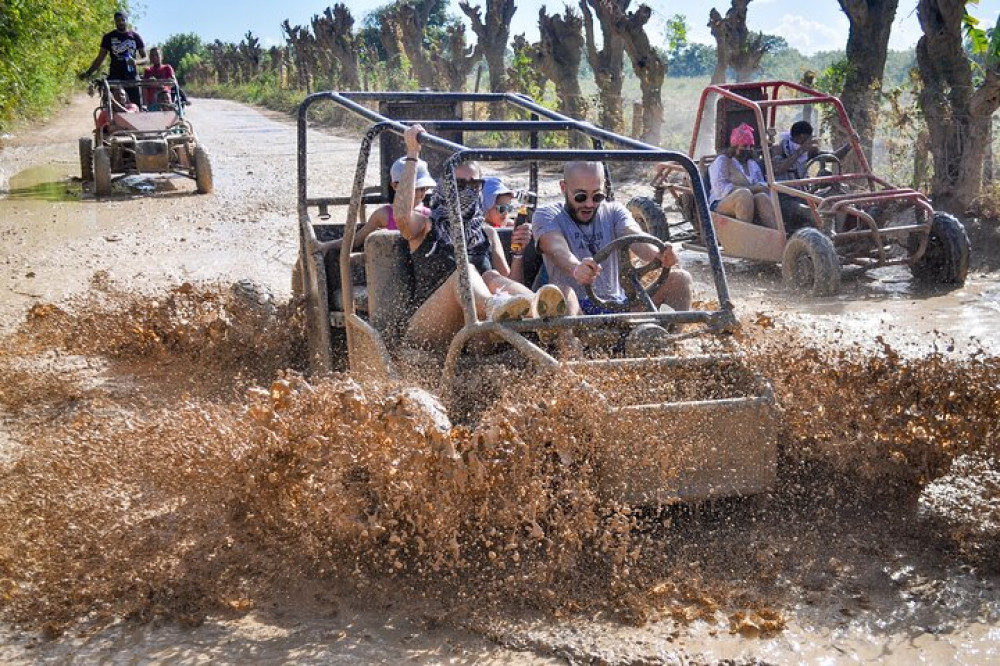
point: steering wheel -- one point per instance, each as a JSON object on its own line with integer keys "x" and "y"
{"x": 821, "y": 161}
{"x": 629, "y": 276}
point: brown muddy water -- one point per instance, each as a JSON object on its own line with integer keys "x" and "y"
{"x": 174, "y": 490}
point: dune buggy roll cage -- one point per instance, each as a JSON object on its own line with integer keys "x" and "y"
{"x": 541, "y": 119}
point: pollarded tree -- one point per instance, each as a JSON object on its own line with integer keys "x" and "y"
{"x": 867, "y": 47}
{"x": 411, "y": 21}
{"x": 301, "y": 44}
{"x": 524, "y": 74}
{"x": 736, "y": 47}
{"x": 452, "y": 58}
{"x": 492, "y": 34}
{"x": 249, "y": 53}
{"x": 651, "y": 68}
{"x": 335, "y": 39}
{"x": 558, "y": 56}
{"x": 957, "y": 110}
{"x": 608, "y": 63}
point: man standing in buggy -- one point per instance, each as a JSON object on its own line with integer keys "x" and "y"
{"x": 123, "y": 45}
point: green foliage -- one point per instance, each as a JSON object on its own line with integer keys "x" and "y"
{"x": 43, "y": 44}
{"x": 676, "y": 32}
{"x": 183, "y": 51}
{"x": 831, "y": 80}
{"x": 683, "y": 58}
{"x": 982, "y": 46}
{"x": 691, "y": 60}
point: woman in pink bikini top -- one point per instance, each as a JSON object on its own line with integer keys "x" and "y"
{"x": 382, "y": 217}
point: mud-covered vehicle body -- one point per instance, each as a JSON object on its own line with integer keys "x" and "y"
{"x": 157, "y": 138}
{"x": 840, "y": 215}
{"x": 670, "y": 440}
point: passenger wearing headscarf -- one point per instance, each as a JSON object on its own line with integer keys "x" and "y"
{"x": 436, "y": 298}
{"x": 738, "y": 186}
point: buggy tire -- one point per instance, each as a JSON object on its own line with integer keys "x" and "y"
{"x": 650, "y": 217}
{"x": 810, "y": 263}
{"x": 86, "y": 159}
{"x": 102, "y": 172}
{"x": 202, "y": 171}
{"x": 946, "y": 260}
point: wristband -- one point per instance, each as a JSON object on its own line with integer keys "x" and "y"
{"x": 516, "y": 256}
{"x": 411, "y": 159}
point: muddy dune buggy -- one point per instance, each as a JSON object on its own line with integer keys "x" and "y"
{"x": 670, "y": 438}
{"x": 839, "y": 215}
{"x": 155, "y": 138}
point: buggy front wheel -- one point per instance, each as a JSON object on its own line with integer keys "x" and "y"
{"x": 810, "y": 263}
{"x": 102, "y": 171}
{"x": 86, "y": 159}
{"x": 946, "y": 259}
{"x": 202, "y": 171}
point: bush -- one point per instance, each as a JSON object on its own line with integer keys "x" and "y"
{"x": 43, "y": 44}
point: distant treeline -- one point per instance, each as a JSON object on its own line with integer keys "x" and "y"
{"x": 43, "y": 44}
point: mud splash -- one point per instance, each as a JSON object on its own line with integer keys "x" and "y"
{"x": 172, "y": 463}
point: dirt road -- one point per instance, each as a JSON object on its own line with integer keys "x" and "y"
{"x": 856, "y": 578}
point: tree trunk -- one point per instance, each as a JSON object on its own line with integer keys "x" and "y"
{"x": 411, "y": 21}
{"x": 867, "y": 47}
{"x": 492, "y": 36}
{"x": 958, "y": 114}
{"x": 730, "y": 35}
{"x": 746, "y": 61}
{"x": 608, "y": 63}
{"x": 649, "y": 67}
{"x": 558, "y": 56}
{"x": 454, "y": 62}
{"x": 334, "y": 31}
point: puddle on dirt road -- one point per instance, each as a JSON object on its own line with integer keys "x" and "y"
{"x": 172, "y": 476}
{"x": 48, "y": 182}
{"x": 883, "y": 303}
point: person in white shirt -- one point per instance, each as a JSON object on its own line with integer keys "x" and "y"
{"x": 739, "y": 189}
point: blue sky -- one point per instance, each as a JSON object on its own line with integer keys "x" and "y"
{"x": 810, "y": 26}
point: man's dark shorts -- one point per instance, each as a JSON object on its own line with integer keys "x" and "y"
{"x": 589, "y": 307}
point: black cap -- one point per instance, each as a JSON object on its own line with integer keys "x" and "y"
{"x": 122, "y": 14}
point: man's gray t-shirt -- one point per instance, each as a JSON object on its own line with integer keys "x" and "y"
{"x": 611, "y": 220}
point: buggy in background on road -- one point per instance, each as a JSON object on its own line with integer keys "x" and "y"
{"x": 156, "y": 138}
{"x": 841, "y": 214}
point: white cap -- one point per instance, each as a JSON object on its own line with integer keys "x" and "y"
{"x": 423, "y": 173}
{"x": 492, "y": 188}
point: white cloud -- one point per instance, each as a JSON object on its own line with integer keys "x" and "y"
{"x": 811, "y": 36}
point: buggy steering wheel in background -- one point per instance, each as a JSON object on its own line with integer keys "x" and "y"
{"x": 630, "y": 276}
{"x": 820, "y": 163}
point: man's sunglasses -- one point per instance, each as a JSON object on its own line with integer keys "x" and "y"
{"x": 503, "y": 209}
{"x": 596, "y": 197}
{"x": 464, "y": 183}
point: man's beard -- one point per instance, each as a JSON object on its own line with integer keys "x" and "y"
{"x": 572, "y": 212}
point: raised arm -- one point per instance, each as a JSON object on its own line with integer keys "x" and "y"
{"x": 412, "y": 224}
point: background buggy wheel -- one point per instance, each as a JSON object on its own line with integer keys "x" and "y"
{"x": 810, "y": 263}
{"x": 650, "y": 217}
{"x": 202, "y": 170}
{"x": 102, "y": 171}
{"x": 86, "y": 159}
{"x": 946, "y": 260}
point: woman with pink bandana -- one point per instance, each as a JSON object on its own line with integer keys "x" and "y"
{"x": 739, "y": 188}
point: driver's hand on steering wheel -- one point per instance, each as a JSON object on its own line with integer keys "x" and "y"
{"x": 586, "y": 272}
{"x": 668, "y": 258}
